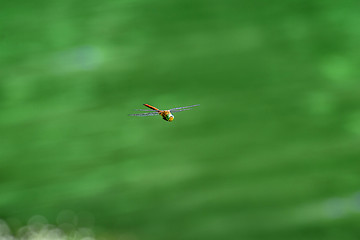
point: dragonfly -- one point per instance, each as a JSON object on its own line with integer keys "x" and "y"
{"x": 165, "y": 114}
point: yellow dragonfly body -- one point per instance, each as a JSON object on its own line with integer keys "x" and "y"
{"x": 166, "y": 114}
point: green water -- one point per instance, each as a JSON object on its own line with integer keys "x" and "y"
{"x": 272, "y": 152}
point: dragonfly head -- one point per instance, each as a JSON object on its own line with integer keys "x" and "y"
{"x": 169, "y": 117}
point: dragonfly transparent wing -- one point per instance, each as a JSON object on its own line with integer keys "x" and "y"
{"x": 184, "y": 107}
{"x": 145, "y": 114}
{"x": 146, "y": 110}
{"x": 180, "y": 110}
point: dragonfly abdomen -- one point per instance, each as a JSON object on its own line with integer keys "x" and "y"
{"x": 151, "y": 107}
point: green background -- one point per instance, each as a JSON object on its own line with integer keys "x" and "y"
{"x": 271, "y": 153}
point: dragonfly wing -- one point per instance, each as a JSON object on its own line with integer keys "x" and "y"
{"x": 145, "y": 114}
{"x": 180, "y": 110}
{"x": 184, "y": 107}
{"x": 146, "y": 110}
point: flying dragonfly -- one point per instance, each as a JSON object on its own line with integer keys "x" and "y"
{"x": 166, "y": 114}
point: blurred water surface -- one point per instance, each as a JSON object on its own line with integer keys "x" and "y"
{"x": 271, "y": 153}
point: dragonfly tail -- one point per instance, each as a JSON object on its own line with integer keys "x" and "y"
{"x": 151, "y": 107}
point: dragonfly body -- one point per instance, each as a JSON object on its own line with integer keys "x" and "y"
{"x": 166, "y": 114}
